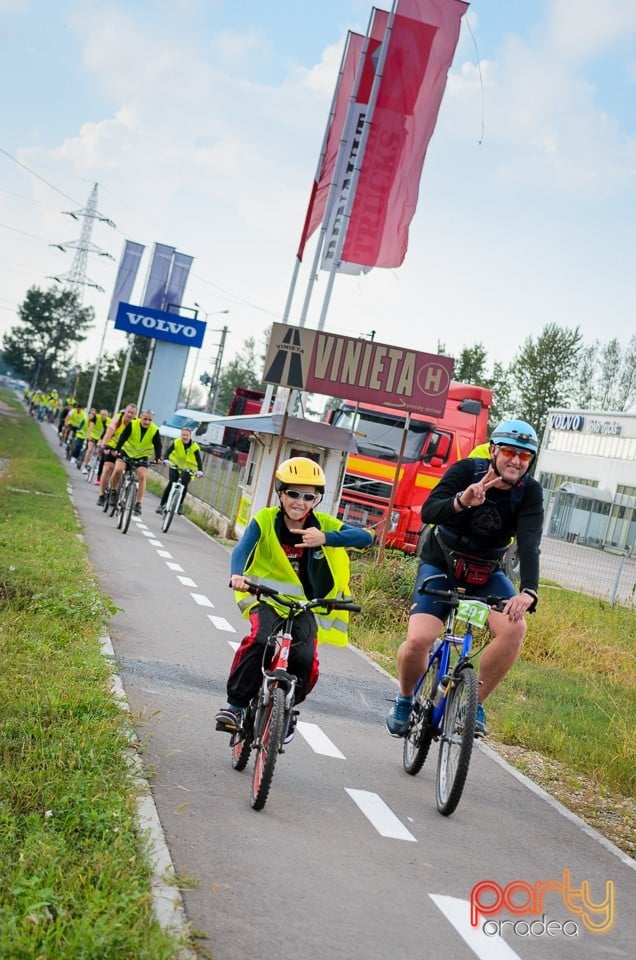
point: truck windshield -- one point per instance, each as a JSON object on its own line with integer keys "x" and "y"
{"x": 380, "y": 435}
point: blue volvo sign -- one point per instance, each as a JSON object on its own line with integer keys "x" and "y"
{"x": 159, "y": 325}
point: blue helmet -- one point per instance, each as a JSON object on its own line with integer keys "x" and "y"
{"x": 516, "y": 433}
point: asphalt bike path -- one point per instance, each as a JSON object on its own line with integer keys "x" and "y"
{"x": 349, "y": 858}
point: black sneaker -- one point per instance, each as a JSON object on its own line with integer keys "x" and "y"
{"x": 159, "y": 511}
{"x": 101, "y": 500}
{"x": 229, "y": 719}
{"x": 291, "y": 729}
{"x": 137, "y": 510}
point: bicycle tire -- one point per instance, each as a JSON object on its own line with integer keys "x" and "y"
{"x": 456, "y": 742}
{"x": 418, "y": 740}
{"x": 119, "y": 489}
{"x": 106, "y": 504}
{"x": 241, "y": 746}
{"x": 129, "y": 503}
{"x": 169, "y": 512}
{"x": 271, "y": 739}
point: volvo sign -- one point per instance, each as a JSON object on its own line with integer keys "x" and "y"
{"x": 159, "y": 325}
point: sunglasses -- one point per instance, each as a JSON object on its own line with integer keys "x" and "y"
{"x": 297, "y": 495}
{"x": 511, "y": 452}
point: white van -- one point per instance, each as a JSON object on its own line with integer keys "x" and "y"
{"x": 197, "y": 420}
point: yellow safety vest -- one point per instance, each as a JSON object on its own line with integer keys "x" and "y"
{"x": 184, "y": 459}
{"x": 98, "y": 428}
{"x": 112, "y": 443}
{"x": 136, "y": 446}
{"x": 269, "y": 566}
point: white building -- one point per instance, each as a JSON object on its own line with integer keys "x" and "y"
{"x": 587, "y": 468}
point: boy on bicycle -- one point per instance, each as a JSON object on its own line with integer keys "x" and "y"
{"x": 472, "y": 522}
{"x": 302, "y": 554}
{"x": 139, "y": 440}
{"x": 184, "y": 453}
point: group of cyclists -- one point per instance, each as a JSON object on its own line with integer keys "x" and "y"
{"x": 128, "y": 437}
{"x": 479, "y": 505}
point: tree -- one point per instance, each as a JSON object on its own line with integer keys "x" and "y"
{"x": 545, "y": 373}
{"x": 239, "y": 372}
{"x": 52, "y": 324}
{"x": 607, "y": 376}
{"x": 471, "y": 366}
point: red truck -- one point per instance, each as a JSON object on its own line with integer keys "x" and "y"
{"x": 431, "y": 447}
{"x": 228, "y": 442}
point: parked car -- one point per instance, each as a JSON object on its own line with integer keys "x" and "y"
{"x": 197, "y": 420}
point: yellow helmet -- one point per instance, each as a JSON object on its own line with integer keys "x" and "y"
{"x": 300, "y": 470}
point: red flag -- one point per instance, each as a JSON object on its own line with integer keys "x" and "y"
{"x": 421, "y": 43}
{"x": 320, "y": 186}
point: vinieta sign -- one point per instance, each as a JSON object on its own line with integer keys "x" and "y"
{"x": 160, "y": 325}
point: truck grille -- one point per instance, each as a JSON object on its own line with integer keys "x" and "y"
{"x": 362, "y": 486}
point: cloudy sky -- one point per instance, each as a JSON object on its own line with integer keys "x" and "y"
{"x": 202, "y": 122}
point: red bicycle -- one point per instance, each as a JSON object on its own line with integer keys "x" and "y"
{"x": 267, "y": 719}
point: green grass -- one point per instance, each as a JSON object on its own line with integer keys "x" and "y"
{"x": 75, "y": 874}
{"x": 572, "y": 694}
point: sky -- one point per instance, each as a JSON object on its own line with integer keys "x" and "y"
{"x": 202, "y": 122}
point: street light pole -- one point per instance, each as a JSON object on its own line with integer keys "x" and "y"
{"x": 213, "y": 391}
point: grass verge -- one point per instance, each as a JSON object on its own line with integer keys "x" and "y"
{"x": 75, "y": 874}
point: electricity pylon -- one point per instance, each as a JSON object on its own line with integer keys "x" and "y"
{"x": 76, "y": 278}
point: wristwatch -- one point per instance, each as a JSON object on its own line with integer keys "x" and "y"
{"x": 458, "y": 500}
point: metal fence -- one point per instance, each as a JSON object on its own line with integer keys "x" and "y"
{"x": 608, "y": 574}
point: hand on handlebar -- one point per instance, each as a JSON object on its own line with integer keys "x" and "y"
{"x": 238, "y": 582}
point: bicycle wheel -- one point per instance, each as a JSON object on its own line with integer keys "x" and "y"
{"x": 271, "y": 739}
{"x": 456, "y": 742}
{"x": 119, "y": 489}
{"x": 420, "y": 736}
{"x": 171, "y": 509}
{"x": 242, "y": 741}
{"x": 129, "y": 503}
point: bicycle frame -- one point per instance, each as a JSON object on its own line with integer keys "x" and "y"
{"x": 445, "y": 701}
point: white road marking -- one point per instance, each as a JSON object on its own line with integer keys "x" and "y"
{"x": 234, "y": 644}
{"x": 186, "y": 581}
{"x": 175, "y": 566}
{"x": 379, "y": 815}
{"x": 457, "y": 912}
{"x": 147, "y": 533}
{"x": 319, "y": 741}
{"x": 165, "y": 553}
{"x": 155, "y": 543}
{"x": 201, "y": 599}
{"x": 221, "y": 623}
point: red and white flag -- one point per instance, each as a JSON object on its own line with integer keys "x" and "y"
{"x": 420, "y": 44}
{"x": 335, "y": 126}
{"x": 354, "y": 118}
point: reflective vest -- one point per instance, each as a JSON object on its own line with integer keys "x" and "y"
{"x": 136, "y": 446}
{"x": 269, "y": 566}
{"x": 184, "y": 459}
{"x": 98, "y": 428}
{"x": 75, "y": 418}
{"x": 82, "y": 430}
{"x": 112, "y": 443}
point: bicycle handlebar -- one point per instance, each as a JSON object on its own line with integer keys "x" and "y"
{"x": 259, "y": 590}
{"x": 455, "y": 595}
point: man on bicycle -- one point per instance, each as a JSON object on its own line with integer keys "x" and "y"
{"x": 184, "y": 453}
{"x": 474, "y": 511}
{"x": 139, "y": 440}
{"x": 300, "y": 553}
{"x": 108, "y": 444}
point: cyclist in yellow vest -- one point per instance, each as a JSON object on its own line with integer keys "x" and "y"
{"x": 300, "y": 553}
{"x": 184, "y": 453}
{"x": 139, "y": 441}
{"x": 108, "y": 443}
{"x": 81, "y": 435}
{"x": 96, "y": 430}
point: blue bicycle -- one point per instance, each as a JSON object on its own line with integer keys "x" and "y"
{"x": 445, "y": 701}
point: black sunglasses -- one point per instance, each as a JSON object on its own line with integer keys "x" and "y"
{"x": 296, "y": 495}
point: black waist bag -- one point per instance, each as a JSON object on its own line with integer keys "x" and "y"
{"x": 467, "y": 567}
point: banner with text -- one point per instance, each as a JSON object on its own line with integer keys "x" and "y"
{"x": 159, "y": 325}
{"x": 353, "y": 369}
